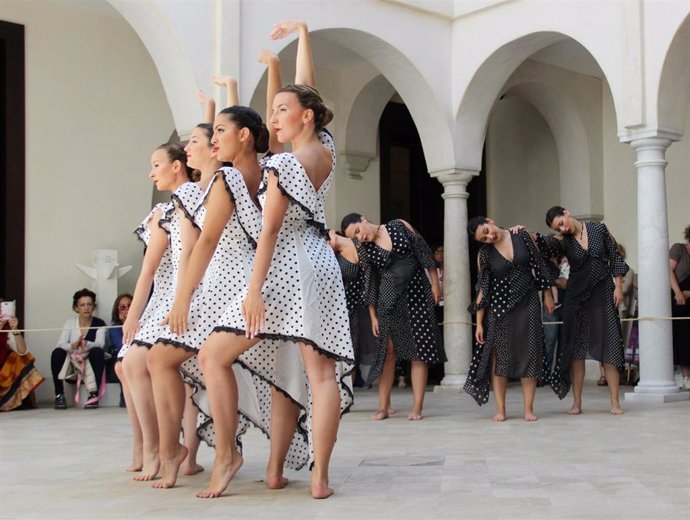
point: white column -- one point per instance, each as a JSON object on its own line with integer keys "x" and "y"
{"x": 456, "y": 278}
{"x": 656, "y": 384}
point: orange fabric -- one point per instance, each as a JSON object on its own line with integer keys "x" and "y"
{"x": 18, "y": 376}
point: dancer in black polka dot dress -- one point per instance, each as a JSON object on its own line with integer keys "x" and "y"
{"x": 509, "y": 334}
{"x": 591, "y": 324}
{"x": 401, "y": 301}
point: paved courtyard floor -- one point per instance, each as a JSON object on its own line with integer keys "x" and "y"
{"x": 454, "y": 464}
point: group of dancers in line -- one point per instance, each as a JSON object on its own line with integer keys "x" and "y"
{"x": 241, "y": 315}
{"x": 246, "y": 310}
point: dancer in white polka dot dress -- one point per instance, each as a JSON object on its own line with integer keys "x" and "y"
{"x": 401, "y": 302}
{"x": 591, "y": 324}
{"x": 169, "y": 171}
{"x": 509, "y": 334}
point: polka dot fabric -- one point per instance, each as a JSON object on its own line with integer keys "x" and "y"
{"x": 304, "y": 300}
{"x": 591, "y": 324}
{"x": 396, "y": 283}
{"x": 163, "y": 281}
{"x": 354, "y": 286}
{"x": 184, "y": 201}
{"x": 513, "y": 327}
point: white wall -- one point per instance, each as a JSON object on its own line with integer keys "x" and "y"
{"x": 522, "y": 165}
{"x": 95, "y": 111}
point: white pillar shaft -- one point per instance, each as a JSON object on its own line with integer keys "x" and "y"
{"x": 656, "y": 340}
{"x": 456, "y": 280}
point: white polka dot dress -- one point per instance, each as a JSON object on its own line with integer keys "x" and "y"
{"x": 395, "y": 282}
{"x": 513, "y": 328}
{"x": 591, "y": 324}
{"x": 305, "y": 302}
{"x": 184, "y": 202}
{"x": 163, "y": 281}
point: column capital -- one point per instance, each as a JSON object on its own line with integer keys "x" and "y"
{"x": 650, "y": 137}
{"x": 355, "y": 162}
{"x": 454, "y": 180}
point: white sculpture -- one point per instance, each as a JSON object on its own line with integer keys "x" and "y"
{"x": 105, "y": 272}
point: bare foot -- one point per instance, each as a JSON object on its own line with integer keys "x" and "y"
{"x": 134, "y": 468}
{"x": 499, "y": 417}
{"x": 616, "y": 410}
{"x": 414, "y": 416}
{"x": 170, "y": 468}
{"x": 391, "y": 412}
{"x": 149, "y": 470}
{"x": 530, "y": 417}
{"x": 188, "y": 469}
{"x": 380, "y": 415}
{"x": 276, "y": 482}
{"x": 575, "y": 410}
{"x": 320, "y": 490}
{"x": 221, "y": 476}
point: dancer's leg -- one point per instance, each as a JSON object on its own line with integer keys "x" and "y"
{"x": 191, "y": 439}
{"x": 284, "y": 414}
{"x": 216, "y": 357}
{"x": 420, "y": 376}
{"x": 137, "y": 437}
{"x": 529, "y": 390}
{"x": 613, "y": 378}
{"x": 499, "y": 384}
{"x": 386, "y": 383}
{"x": 325, "y": 415}
{"x": 169, "y": 395}
{"x": 578, "y": 377}
{"x": 138, "y": 379}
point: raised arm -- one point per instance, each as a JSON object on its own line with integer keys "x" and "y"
{"x": 304, "y": 68}
{"x": 274, "y": 212}
{"x": 219, "y": 209}
{"x": 230, "y": 85}
{"x": 208, "y": 105}
{"x": 273, "y": 86}
{"x": 155, "y": 250}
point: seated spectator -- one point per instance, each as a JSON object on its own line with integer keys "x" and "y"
{"x": 118, "y": 317}
{"x": 18, "y": 376}
{"x": 79, "y": 354}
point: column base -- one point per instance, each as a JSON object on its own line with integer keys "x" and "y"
{"x": 451, "y": 384}
{"x": 658, "y": 398}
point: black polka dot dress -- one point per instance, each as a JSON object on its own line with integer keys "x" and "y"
{"x": 304, "y": 300}
{"x": 396, "y": 283}
{"x": 591, "y": 324}
{"x": 513, "y": 327}
{"x": 353, "y": 280}
{"x": 163, "y": 281}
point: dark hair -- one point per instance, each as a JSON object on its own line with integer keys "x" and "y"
{"x": 208, "y": 130}
{"x": 310, "y": 98}
{"x": 686, "y": 234}
{"x": 554, "y": 212}
{"x": 83, "y": 293}
{"x": 175, "y": 152}
{"x": 115, "y": 315}
{"x": 247, "y": 117}
{"x": 350, "y": 218}
{"x": 474, "y": 223}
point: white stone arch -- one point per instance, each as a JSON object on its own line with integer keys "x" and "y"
{"x": 361, "y": 127}
{"x": 485, "y": 87}
{"x": 169, "y": 55}
{"x": 403, "y": 75}
{"x": 673, "y": 98}
{"x": 576, "y": 129}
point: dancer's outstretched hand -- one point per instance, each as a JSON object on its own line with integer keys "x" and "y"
{"x": 253, "y": 312}
{"x": 177, "y": 319}
{"x": 266, "y": 56}
{"x": 201, "y": 97}
{"x": 375, "y": 327}
{"x": 479, "y": 334}
{"x": 129, "y": 329}
{"x": 516, "y": 229}
{"x": 282, "y": 29}
{"x": 224, "y": 81}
